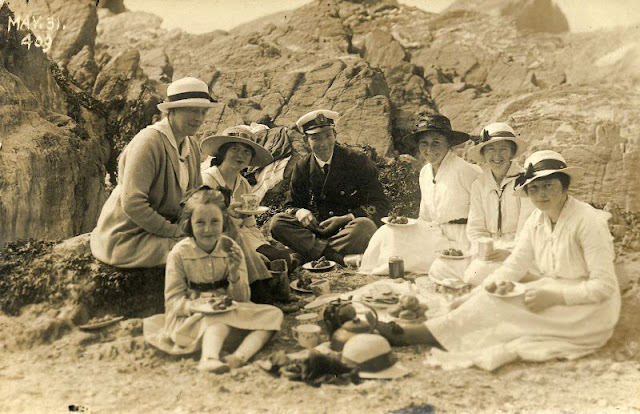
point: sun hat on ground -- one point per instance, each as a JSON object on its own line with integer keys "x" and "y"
{"x": 187, "y": 93}
{"x": 541, "y": 164}
{"x": 241, "y": 134}
{"x": 315, "y": 121}
{"x": 497, "y": 131}
{"x": 435, "y": 123}
{"x": 373, "y": 357}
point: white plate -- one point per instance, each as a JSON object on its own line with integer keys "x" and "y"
{"x": 411, "y": 222}
{"x": 259, "y": 210}
{"x": 517, "y": 291}
{"x": 451, "y": 283}
{"x": 309, "y": 266}
{"x": 102, "y": 324}
{"x": 294, "y": 286}
{"x": 203, "y": 305}
{"x": 446, "y": 256}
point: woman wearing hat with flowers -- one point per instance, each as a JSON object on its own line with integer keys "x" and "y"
{"x": 567, "y": 311}
{"x": 496, "y": 213}
{"x": 137, "y": 225}
{"x": 445, "y": 185}
{"x": 233, "y": 151}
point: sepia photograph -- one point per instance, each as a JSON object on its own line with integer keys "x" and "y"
{"x": 320, "y": 206}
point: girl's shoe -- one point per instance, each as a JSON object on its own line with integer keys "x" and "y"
{"x": 213, "y": 365}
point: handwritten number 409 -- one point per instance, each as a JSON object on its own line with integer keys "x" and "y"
{"x": 37, "y": 41}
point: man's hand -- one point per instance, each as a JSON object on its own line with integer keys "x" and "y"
{"x": 333, "y": 224}
{"x": 306, "y": 218}
{"x": 498, "y": 255}
{"x": 540, "y": 299}
{"x": 232, "y": 210}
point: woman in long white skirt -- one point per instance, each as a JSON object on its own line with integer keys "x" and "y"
{"x": 445, "y": 185}
{"x": 571, "y": 308}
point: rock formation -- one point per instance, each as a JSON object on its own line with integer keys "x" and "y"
{"x": 377, "y": 62}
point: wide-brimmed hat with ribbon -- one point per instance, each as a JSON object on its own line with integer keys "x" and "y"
{"x": 435, "y": 123}
{"x": 241, "y": 134}
{"x": 541, "y": 164}
{"x": 495, "y": 132}
{"x": 187, "y": 93}
{"x": 373, "y": 357}
{"x": 315, "y": 121}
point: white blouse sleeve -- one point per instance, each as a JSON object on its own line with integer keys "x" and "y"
{"x": 597, "y": 245}
{"x": 477, "y": 224}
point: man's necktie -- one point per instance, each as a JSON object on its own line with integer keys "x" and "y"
{"x": 325, "y": 168}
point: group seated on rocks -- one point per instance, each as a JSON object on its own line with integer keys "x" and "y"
{"x": 510, "y": 224}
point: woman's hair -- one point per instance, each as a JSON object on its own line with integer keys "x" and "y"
{"x": 514, "y": 148}
{"x": 431, "y": 134}
{"x": 564, "y": 179}
{"x": 203, "y": 196}
{"x": 222, "y": 152}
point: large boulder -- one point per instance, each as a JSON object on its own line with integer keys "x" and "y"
{"x": 53, "y": 154}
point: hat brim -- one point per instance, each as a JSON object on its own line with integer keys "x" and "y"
{"x": 574, "y": 173}
{"x": 475, "y": 155}
{"x": 397, "y": 370}
{"x": 317, "y": 130}
{"x": 211, "y": 146}
{"x": 186, "y": 103}
{"x": 454, "y": 138}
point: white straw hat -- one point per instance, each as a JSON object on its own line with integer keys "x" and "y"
{"x": 497, "y": 131}
{"x": 373, "y": 357}
{"x": 187, "y": 93}
{"x": 544, "y": 163}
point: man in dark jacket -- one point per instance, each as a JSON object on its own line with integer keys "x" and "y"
{"x": 335, "y": 202}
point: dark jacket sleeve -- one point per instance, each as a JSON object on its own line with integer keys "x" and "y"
{"x": 298, "y": 195}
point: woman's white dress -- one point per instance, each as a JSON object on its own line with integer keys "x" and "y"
{"x": 444, "y": 198}
{"x": 575, "y": 259}
{"x": 496, "y": 213}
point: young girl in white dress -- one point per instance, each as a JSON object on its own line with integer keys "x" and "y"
{"x": 208, "y": 263}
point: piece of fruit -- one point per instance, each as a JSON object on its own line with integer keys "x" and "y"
{"x": 491, "y": 287}
{"x": 409, "y": 302}
{"x": 395, "y": 310}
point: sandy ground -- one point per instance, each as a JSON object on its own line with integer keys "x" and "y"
{"x": 113, "y": 370}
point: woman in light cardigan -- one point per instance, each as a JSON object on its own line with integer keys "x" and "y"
{"x": 137, "y": 225}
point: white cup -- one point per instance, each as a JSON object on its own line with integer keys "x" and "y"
{"x": 485, "y": 247}
{"x": 250, "y": 201}
{"x": 307, "y": 335}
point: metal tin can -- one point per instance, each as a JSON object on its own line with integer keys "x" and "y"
{"x": 485, "y": 247}
{"x": 396, "y": 267}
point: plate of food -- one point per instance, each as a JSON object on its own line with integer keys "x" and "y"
{"x": 408, "y": 310}
{"x": 399, "y": 221}
{"x": 505, "y": 289}
{"x": 453, "y": 254}
{"x": 253, "y": 212}
{"x": 303, "y": 284}
{"x": 97, "y": 323}
{"x": 449, "y": 282}
{"x": 319, "y": 265}
{"x": 215, "y": 304}
{"x": 380, "y": 296}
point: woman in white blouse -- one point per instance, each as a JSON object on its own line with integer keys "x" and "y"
{"x": 445, "y": 185}
{"x": 496, "y": 213}
{"x": 568, "y": 311}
